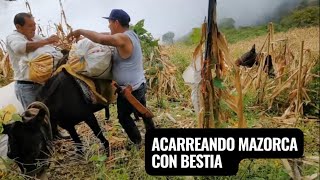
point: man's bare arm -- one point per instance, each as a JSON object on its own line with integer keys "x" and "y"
{"x": 34, "y": 45}
{"x": 105, "y": 33}
{"x": 116, "y": 40}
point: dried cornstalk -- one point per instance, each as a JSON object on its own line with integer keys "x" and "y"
{"x": 61, "y": 33}
{"x": 230, "y": 100}
{"x": 283, "y": 89}
{"x": 28, "y": 7}
{"x": 1, "y": 58}
{"x": 1, "y": 54}
{"x": 64, "y": 18}
{"x": 198, "y": 49}
{"x": 211, "y": 62}
{"x": 160, "y": 73}
{"x": 217, "y": 63}
{"x": 262, "y": 84}
{"x": 261, "y": 61}
{"x": 201, "y": 112}
{"x": 297, "y": 174}
{"x": 210, "y": 122}
{"x": 242, "y": 122}
{"x": 288, "y": 168}
{"x": 3, "y": 46}
{"x": 298, "y": 108}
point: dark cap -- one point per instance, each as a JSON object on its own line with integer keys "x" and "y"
{"x": 120, "y": 15}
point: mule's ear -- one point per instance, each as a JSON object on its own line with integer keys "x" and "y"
{"x": 40, "y": 116}
{"x": 38, "y": 119}
{"x": 253, "y": 49}
{"x": 238, "y": 62}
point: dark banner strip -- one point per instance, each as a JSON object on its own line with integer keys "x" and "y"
{"x": 216, "y": 151}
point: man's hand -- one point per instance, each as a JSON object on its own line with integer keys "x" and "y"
{"x": 52, "y": 39}
{"x": 74, "y": 35}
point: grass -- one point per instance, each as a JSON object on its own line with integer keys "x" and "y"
{"x": 181, "y": 56}
{"x": 244, "y": 33}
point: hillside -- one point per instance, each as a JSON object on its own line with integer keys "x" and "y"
{"x": 305, "y": 15}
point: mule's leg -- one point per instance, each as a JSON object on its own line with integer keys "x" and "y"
{"x": 75, "y": 137}
{"x": 54, "y": 127}
{"x": 107, "y": 112}
{"x": 55, "y": 131}
{"x": 93, "y": 124}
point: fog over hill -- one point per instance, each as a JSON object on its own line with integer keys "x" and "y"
{"x": 178, "y": 16}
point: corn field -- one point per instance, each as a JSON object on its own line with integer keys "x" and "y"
{"x": 287, "y": 92}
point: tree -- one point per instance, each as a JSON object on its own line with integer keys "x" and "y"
{"x": 168, "y": 37}
{"x": 227, "y": 23}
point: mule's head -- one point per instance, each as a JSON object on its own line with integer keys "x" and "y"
{"x": 28, "y": 143}
{"x": 248, "y": 58}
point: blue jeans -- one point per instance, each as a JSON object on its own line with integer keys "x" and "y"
{"x": 26, "y": 93}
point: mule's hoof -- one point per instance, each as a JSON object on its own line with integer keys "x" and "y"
{"x": 107, "y": 148}
{"x": 107, "y": 114}
{"x": 107, "y": 117}
{"x": 108, "y": 152}
{"x": 61, "y": 135}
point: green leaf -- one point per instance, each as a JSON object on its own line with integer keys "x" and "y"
{"x": 140, "y": 23}
{"x": 16, "y": 117}
{"x": 154, "y": 43}
{"x": 160, "y": 66}
{"x": 140, "y": 31}
{"x": 102, "y": 158}
{"x": 95, "y": 147}
{"x": 218, "y": 83}
{"x": 94, "y": 158}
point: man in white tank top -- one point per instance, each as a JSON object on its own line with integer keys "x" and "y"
{"x": 127, "y": 67}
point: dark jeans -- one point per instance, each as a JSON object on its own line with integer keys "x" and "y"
{"x": 125, "y": 109}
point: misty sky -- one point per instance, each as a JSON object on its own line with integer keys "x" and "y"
{"x": 161, "y": 16}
